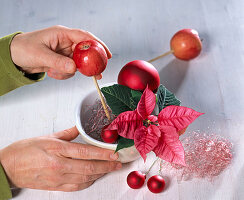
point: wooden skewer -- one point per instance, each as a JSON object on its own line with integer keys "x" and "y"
{"x": 102, "y": 99}
{"x": 165, "y": 54}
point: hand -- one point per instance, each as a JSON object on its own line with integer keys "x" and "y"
{"x": 49, "y": 50}
{"x": 54, "y": 163}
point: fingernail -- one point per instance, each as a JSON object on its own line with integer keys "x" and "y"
{"x": 114, "y": 156}
{"x": 69, "y": 67}
{"x": 119, "y": 166}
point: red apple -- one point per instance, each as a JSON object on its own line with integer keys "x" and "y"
{"x": 138, "y": 74}
{"x": 109, "y": 136}
{"x": 90, "y": 57}
{"x": 186, "y": 44}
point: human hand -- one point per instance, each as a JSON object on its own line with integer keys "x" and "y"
{"x": 53, "y": 163}
{"x": 50, "y": 50}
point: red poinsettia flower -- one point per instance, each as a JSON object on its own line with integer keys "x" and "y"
{"x": 152, "y": 133}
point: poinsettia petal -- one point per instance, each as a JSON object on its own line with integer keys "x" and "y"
{"x": 126, "y": 123}
{"x": 169, "y": 147}
{"x": 152, "y": 118}
{"x": 146, "y": 139}
{"x": 177, "y": 116}
{"x": 146, "y": 104}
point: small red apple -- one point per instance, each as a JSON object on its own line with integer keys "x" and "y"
{"x": 109, "y": 136}
{"x": 90, "y": 57}
{"x": 186, "y": 44}
{"x": 138, "y": 74}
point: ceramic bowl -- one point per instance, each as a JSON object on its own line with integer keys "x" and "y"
{"x": 82, "y": 114}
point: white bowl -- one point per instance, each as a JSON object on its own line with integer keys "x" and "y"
{"x": 82, "y": 114}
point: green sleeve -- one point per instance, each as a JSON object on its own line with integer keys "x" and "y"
{"x": 10, "y": 77}
{"x": 5, "y": 192}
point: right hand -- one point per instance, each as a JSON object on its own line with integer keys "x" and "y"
{"x": 54, "y": 163}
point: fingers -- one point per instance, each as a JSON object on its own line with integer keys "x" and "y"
{"x": 91, "y": 167}
{"x": 57, "y": 62}
{"x": 78, "y": 35}
{"x": 68, "y": 134}
{"x": 98, "y": 77}
{"x": 84, "y": 151}
{"x": 79, "y": 179}
{"x": 72, "y": 187}
{"x": 58, "y": 75}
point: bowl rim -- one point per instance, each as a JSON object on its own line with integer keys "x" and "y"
{"x": 80, "y": 127}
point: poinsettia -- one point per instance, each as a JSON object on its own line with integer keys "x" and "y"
{"x": 155, "y": 133}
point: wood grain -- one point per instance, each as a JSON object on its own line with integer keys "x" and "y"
{"x": 213, "y": 83}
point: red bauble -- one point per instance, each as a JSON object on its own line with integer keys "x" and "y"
{"x": 90, "y": 57}
{"x": 186, "y": 44}
{"x": 156, "y": 184}
{"x": 138, "y": 74}
{"x": 136, "y": 179}
{"x": 109, "y": 136}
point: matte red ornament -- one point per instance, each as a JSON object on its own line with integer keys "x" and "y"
{"x": 109, "y": 136}
{"x": 186, "y": 44}
{"x": 138, "y": 74}
{"x": 136, "y": 179}
{"x": 90, "y": 57}
{"x": 156, "y": 184}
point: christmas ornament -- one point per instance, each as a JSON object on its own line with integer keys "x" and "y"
{"x": 136, "y": 179}
{"x": 156, "y": 184}
{"x": 139, "y": 74}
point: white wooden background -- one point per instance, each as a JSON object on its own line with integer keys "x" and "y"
{"x": 213, "y": 83}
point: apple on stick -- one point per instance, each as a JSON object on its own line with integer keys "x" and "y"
{"x": 91, "y": 60}
{"x": 185, "y": 45}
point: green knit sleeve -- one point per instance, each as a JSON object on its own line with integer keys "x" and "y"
{"x": 5, "y": 192}
{"x": 10, "y": 77}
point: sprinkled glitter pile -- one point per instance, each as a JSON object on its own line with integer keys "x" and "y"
{"x": 206, "y": 156}
{"x": 97, "y": 120}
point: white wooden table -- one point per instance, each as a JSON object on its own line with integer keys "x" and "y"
{"x": 213, "y": 83}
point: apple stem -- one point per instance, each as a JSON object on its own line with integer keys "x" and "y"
{"x": 151, "y": 166}
{"x": 165, "y": 54}
{"x": 101, "y": 97}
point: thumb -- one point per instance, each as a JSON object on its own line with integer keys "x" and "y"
{"x": 57, "y": 61}
{"x": 68, "y": 134}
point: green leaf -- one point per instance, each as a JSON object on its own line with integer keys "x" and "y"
{"x": 136, "y": 96}
{"x": 118, "y": 98}
{"x": 166, "y": 98}
{"x": 124, "y": 143}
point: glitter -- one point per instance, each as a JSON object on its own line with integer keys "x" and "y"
{"x": 206, "y": 156}
{"x": 97, "y": 120}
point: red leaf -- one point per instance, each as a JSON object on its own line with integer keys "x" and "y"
{"x": 146, "y": 103}
{"x": 177, "y": 116}
{"x": 146, "y": 139}
{"x": 126, "y": 123}
{"x": 152, "y": 118}
{"x": 169, "y": 147}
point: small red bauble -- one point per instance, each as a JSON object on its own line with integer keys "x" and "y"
{"x": 156, "y": 184}
{"x": 136, "y": 179}
{"x": 90, "y": 57}
{"x": 186, "y": 44}
{"x": 109, "y": 136}
{"x": 138, "y": 74}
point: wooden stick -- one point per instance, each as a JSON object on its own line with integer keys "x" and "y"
{"x": 101, "y": 97}
{"x": 165, "y": 54}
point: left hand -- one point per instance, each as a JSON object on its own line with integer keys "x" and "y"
{"x": 50, "y": 50}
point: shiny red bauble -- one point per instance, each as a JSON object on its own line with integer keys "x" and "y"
{"x": 90, "y": 57}
{"x": 138, "y": 74}
{"x": 136, "y": 179}
{"x": 109, "y": 136}
{"x": 186, "y": 44}
{"x": 156, "y": 184}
